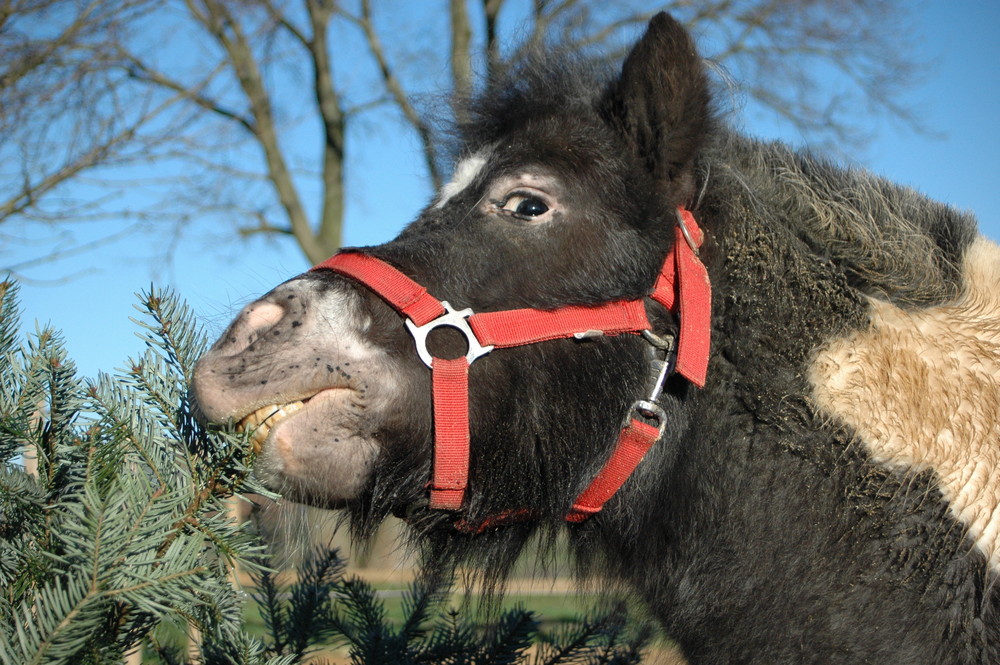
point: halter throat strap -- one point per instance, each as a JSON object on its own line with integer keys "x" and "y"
{"x": 682, "y": 286}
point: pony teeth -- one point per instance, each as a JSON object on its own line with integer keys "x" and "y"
{"x": 263, "y": 420}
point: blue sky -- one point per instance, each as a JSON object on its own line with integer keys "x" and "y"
{"x": 959, "y": 165}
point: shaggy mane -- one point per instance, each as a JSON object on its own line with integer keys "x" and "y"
{"x": 894, "y": 242}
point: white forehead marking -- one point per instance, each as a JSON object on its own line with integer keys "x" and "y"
{"x": 465, "y": 174}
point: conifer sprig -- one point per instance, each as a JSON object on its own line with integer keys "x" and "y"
{"x": 124, "y": 526}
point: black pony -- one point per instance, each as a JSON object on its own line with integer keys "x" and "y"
{"x": 829, "y": 495}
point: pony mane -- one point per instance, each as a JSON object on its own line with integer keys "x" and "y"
{"x": 893, "y": 242}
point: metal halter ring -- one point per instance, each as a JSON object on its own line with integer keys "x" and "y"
{"x": 652, "y": 411}
{"x": 452, "y": 318}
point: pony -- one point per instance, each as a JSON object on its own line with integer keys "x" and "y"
{"x": 758, "y": 389}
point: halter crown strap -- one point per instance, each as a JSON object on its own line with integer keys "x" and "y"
{"x": 682, "y": 287}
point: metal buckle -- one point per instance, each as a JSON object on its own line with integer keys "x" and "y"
{"x": 659, "y": 368}
{"x": 457, "y": 319}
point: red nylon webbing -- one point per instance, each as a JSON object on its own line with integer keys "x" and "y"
{"x": 665, "y": 288}
{"x": 450, "y": 379}
{"x": 684, "y": 282}
{"x": 634, "y": 442}
{"x": 695, "y": 314}
{"x": 526, "y": 326}
{"x": 405, "y": 295}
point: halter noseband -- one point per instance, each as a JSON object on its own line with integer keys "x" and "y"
{"x": 682, "y": 287}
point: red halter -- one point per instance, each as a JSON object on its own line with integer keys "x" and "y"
{"x": 682, "y": 287}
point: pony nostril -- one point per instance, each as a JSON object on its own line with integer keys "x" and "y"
{"x": 263, "y": 315}
{"x": 255, "y": 319}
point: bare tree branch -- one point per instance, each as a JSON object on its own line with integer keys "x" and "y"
{"x": 140, "y": 71}
{"x": 332, "y": 116}
{"x": 460, "y": 57}
{"x": 76, "y": 249}
{"x": 218, "y": 128}
{"x": 395, "y": 88}
{"x": 39, "y": 80}
{"x": 282, "y": 20}
{"x": 599, "y": 37}
{"x": 216, "y": 18}
{"x": 491, "y": 11}
{"x": 264, "y": 226}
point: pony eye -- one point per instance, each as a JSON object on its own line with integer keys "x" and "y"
{"x": 525, "y": 197}
{"x": 525, "y": 206}
{"x": 531, "y": 207}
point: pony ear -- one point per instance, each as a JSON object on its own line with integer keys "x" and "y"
{"x": 660, "y": 103}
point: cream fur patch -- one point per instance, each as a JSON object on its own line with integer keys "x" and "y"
{"x": 922, "y": 390}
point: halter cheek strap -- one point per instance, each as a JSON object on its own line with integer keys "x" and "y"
{"x": 682, "y": 287}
